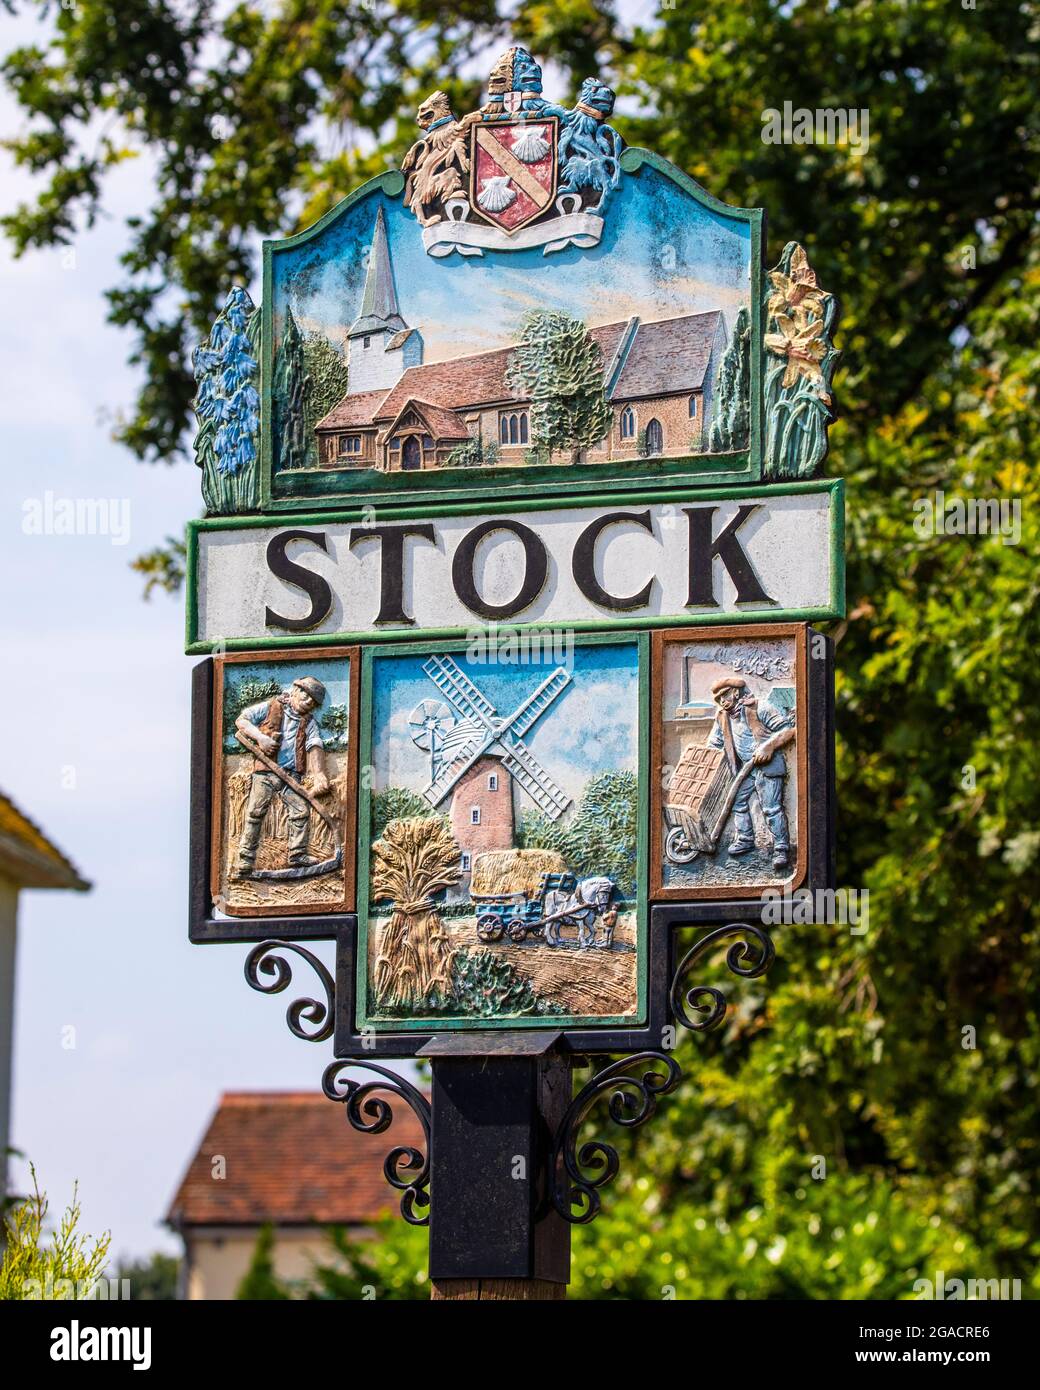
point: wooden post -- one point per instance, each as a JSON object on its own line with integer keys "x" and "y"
{"x": 494, "y": 1233}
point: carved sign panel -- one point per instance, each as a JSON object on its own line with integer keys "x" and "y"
{"x": 502, "y": 872}
{"x": 730, "y": 751}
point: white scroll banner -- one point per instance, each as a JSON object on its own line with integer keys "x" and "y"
{"x": 569, "y": 228}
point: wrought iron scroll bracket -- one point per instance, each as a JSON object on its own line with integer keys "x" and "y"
{"x": 405, "y": 1168}
{"x": 309, "y": 1019}
{"x": 578, "y": 1172}
{"x": 702, "y": 1007}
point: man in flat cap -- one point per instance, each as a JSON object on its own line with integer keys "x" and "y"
{"x": 285, "y": 729}
{"x": 744, "y": 730}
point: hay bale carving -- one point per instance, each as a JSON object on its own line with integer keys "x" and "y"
{"x": 415, "y": 859}
{"x": 514, "y": 870}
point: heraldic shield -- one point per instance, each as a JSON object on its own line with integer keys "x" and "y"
{"x": 514, "y": 170}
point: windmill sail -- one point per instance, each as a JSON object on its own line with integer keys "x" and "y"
{"x": 481, "y": 732}
{"x": 536, "y": 782}
{"x": 536, "y": 705}
{"x": 457, "y": 687}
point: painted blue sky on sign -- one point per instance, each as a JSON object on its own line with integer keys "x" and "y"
{"x": 592, "y": 727}
{"x": 662, "y": 254}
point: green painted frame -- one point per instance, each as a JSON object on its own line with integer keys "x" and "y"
{"x": 833, "y": 611}
{"x": 440, "y": 1023}
{"x": 325, "y": 487}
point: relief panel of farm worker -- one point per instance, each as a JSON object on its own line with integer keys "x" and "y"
{"x": 742, "y": 729}
{"x": 285, "y": 729}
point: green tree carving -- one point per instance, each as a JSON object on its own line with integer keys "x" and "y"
{"x": 292, "y": 387}
{"x": 327, "y": 373}
{"x": 478, "y": 453}
{"x": 731, "y": 416}
{"x": 397, "y": 803}
{"x": 559, "y": 368}
{"x": 601, "y": 836}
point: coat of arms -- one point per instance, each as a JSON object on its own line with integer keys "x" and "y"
{"x": 519, "y": 172}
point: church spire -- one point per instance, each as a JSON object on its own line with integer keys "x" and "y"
{"x": 379, "y": 304}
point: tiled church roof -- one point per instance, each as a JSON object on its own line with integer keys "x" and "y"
{"x": 668, "y": 357}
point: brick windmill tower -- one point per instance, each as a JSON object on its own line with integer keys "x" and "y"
{"x": 476, "y": 756}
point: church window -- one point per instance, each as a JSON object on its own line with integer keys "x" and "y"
{"x": 513, "y": 427}
{"x": 693, "y": 407}
{"x": 474, "y": 815}
{"x": 350, "y": 444}
{"x": 492, "y": 781}
{"x": 628, "y": 423}
{"x": 367, "y": 342}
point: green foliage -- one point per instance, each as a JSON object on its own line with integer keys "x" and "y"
{"x": 260, "y": 1283}
{"x": 239, "y": 693}
{"x": 601, "y": 837}
{"x": 488, "y": 986}
{"x": 559, "y": 367}
{"x": 731, "y": 413}
{"x": 67, "y": 1266}
{"x": 390, "y": 1265}
{"x": 291, "y": 392}
{"x": 153, "y": 1279}
{"x": 397, "y": 803}
{"x": 477, "y": 453}
{"x": 327, "y": 372}
{"x": 334, "y": 725}
{"x": 163, "y": 567}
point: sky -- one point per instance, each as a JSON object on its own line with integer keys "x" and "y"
{"x": 125, "y": 1035}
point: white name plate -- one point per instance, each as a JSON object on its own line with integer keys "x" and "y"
{"x": 639, "y": 560}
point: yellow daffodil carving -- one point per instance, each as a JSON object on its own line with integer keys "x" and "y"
{"x": 798, "y": 289}
{"x": 799, "y": 341}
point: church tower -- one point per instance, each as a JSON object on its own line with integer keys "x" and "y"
{"x": 380, "y": 344}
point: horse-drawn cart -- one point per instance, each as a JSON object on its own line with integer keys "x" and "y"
{"x": 559, "y": 900}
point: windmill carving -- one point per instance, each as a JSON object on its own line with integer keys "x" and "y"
{"x": 476, "y": 754}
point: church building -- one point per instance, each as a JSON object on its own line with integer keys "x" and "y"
{"x": 401, "y": 413}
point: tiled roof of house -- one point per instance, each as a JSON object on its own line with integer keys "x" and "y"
{"x": 28, "y": 858}
{"x": 291, "y": 1159}
{"x": 668, "y": 356}
{"x": 476, "y": 380}
{"x": 443, "y": 423}
{"x": 354, "y": 410}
